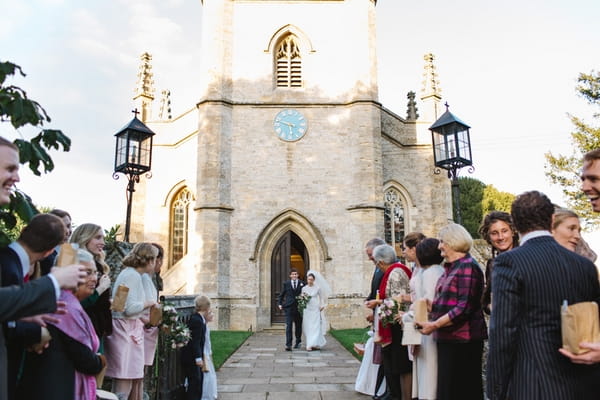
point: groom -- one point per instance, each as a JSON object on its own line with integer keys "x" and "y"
{"x": 287, "y": 303}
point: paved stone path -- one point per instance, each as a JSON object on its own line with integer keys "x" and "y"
{"x": 261, "y": 369}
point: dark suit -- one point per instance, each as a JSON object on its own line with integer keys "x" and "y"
{"x": 190, "y": 352}
{"x": 375, "y": 282}
{"x": 33, "y": 298}
{"x": 287, "y": 300}
{"x": 20, "y": 335}
{"x": 529, "y": 284}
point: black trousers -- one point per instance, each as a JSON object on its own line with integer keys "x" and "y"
{"x": 195, "y": 378}
{"x": 292, "y": 317}
{"x": 395, "y": 362}
{"x": 459, "y": 366}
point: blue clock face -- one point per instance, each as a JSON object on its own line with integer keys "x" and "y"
{"x": 290, "y": 125}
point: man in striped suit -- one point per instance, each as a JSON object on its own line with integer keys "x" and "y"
{"x": 528, "y": 287}
{"x": 590, "y": 186}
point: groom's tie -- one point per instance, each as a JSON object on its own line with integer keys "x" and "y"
{"x": 294, "y": 285}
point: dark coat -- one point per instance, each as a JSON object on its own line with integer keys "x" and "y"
{"x": 19, "y": 335}
{"x": 529, "y": 284}
{"x": 375, "y": 282}
{"x": 189, "y": 353}
{"x": 51, "y": 375}
{"x": 36, "y": 297}
{"x": 97, "y": 308}
{"x": 287, "y": 297}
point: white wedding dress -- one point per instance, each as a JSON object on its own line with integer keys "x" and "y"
{"x": 314, "y": 325}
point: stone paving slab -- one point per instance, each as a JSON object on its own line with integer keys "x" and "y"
{"x": 261, "y": 369}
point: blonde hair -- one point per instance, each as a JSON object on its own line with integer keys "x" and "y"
{"x": 201, "y": 303}
{"x": 560, "y": 215}
{"x": 456, "y": 237}
{"x": 141, "y": 254}
{"x": 82, "y": 235}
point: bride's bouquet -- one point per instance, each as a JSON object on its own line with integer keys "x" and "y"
{"x": 302, "y": 301}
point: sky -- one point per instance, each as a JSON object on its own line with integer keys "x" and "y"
{"x": 508, "y": 69}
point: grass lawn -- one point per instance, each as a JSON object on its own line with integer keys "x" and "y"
{"x": 224, "y": 343}
{"x": 347, "y": 338}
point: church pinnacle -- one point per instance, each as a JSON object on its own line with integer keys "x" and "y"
{"x": 431, "y": 93}
{"x": 144, "y": 91}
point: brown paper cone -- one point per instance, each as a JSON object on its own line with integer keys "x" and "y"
{"x": 118, "y": 303}
{"x": 579, "y": 323}
{"x": 67, "y": 255}
{"x": 155, "y": 315}
{"x": 420, "y": 308}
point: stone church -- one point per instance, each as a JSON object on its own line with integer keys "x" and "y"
{"x": 287, "y": 160}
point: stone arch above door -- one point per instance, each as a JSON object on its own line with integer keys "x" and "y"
{"x": 288, "y": 220}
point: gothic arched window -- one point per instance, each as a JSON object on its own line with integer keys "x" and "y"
{"x": 179, "y": 224}
{"x": 394, "y": 218}
{"x": 288, "y": 63}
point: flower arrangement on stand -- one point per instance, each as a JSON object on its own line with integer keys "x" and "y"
{"x": 302, "y": 301}
{"x": 176, "y": 333}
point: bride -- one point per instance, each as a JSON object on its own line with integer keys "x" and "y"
{"x": 314, "y": 324}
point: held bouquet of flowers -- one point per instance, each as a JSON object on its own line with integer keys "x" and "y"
{"x": 176, "y": 333}
{"x": 302, "y": 301}
{"x": 389, "y": 310}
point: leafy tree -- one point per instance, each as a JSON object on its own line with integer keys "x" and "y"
{"x": 18, "y": 110}
{"x": 495, "y": 200}
{"x": 564, "y": 170}
{"x": 471, "y": 198}
{"x": 477, "y": 199}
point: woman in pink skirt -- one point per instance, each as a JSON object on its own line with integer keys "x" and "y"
{"x": 125, "y": 347}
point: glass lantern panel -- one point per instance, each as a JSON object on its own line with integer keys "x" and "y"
{"x": 464, "y": 145}
{"x": 121, "y": 156}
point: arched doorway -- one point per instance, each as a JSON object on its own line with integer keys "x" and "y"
{"x": 289, "y": 252}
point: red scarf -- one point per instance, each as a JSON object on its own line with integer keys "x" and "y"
{"x": 385, "y": 333}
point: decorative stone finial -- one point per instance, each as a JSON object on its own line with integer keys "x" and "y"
{"x": 165, "y": 105}
{"x": 411, "y": 111}
{"x": 431, "y": 84}
{"x": 144, "y": 91}
{"x": 145, "y": 83}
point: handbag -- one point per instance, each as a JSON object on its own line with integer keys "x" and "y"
{"x": 377, "y": 355}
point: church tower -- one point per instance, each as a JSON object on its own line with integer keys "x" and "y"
{"x": 292, "y": 162}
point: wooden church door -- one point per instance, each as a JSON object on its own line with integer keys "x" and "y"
{"x": 289, "y": 252}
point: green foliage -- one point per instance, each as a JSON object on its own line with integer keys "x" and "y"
{"x": 477, "y": 199}
{"x": 347, "y": 338}
{"x": 495, "y": 200}
{"x": 565, "y": 170}
{"x": 110, "y": 235}
{"x": 225, "y": 343}
{"x": 471, "y": 199}
{"x": 17, "y": 109}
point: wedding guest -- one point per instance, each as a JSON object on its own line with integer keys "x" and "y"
{"x": 91, "y": 238}
{"x": 566, "y": 228}
{"x": 394, "y": 284}
{"x": 66, "y": 369}
{"x": 498, "y": 231}
{"x": 375, "y": 347}
{"x": 457, "y": 318}
{"x": 125, "y": 346}
{"x": 425, "y": 278}
{"x": 47, "y": 263}
{"x": 530, "y": 284}
{"x": 209, "y": 387}
{"x": 192, "y": 354}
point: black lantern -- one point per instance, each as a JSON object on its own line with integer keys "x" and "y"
{"x": 133, "y": 157}
{"x": 451, "y": 151}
